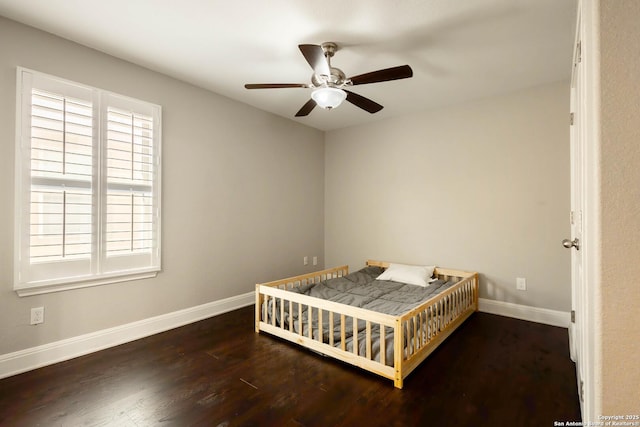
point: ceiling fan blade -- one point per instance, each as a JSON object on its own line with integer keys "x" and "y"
{"x": 362, "y": 102}
{"x": 394, "y": 73}
{"x": 274, "y": 85}
{"x": 315, "y": 57}
{"x": 306, "y": 108}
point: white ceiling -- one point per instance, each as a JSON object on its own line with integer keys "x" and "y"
{"x": 459, "y": 50}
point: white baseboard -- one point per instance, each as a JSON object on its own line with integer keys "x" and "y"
{"x": 525, "y": 312}
{"x": 47, "y": 354}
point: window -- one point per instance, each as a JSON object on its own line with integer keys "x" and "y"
{"x": 87, "y": 186}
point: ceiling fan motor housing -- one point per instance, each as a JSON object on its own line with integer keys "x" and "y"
{"x": 336, "y": 79}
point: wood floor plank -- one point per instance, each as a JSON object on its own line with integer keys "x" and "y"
{"x": 492, "y": 371}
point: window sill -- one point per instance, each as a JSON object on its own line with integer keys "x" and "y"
{"x": 25, "y": 291}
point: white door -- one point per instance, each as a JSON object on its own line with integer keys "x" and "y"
{"x": 577, "y": 329}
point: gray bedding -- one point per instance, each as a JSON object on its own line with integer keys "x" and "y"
{"x": 360, "y": 289}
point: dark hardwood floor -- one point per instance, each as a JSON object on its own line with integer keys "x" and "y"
{"x": 493, "y": 371}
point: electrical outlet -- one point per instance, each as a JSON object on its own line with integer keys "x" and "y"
{"x": 315, "y": 260}
{"x": 305, "y": 260}
{"x": 37, "y": 315}
{"x": 521, "y": 284}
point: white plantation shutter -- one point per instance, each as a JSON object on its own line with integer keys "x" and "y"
{"x": 87, "y": 186}
{"x": 131, "y": 170}
{"x": 61, "y": 178}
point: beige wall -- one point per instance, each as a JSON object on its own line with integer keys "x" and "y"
{"x": 620, "y": 207}
{"x": 483, "y": 186}
{"x": 237, "y": 183}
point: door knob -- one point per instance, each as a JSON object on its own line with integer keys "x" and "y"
{"x": 575, "y": 243}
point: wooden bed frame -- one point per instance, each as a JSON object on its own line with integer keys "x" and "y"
{"x": 441, "y": 315}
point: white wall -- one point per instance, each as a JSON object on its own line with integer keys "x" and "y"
{"x": 242, "y": 195}
{"x": 483, "y": 186}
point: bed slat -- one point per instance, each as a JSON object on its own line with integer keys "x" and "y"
{"x": 355, "y": 336}
{"x": 343, "y": 335}
{"x": 383, "y": 345}
{"x": 331, "y": 327}
{"x": 290, "y": 316}
{"x": 368, "y": 340}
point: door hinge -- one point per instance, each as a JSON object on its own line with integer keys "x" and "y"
{"x": 573, "y": 316}
{"x": 581, "y": 391}
{"x": 571, "y": 119}
{"x": 579, "y": 52}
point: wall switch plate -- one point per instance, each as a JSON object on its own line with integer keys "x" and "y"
{"x": 37, "y": 315}
{"x": 521, "y": 284}
{"x": 305, "y": 260}
{"x": 315, "y": 260}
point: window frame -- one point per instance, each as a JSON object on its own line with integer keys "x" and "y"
{"x": 99, "y": 269}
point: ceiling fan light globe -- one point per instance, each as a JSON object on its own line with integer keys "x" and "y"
{"x": 328, "y": 97}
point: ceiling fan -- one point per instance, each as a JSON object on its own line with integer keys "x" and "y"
{"x": 329, "y": 83}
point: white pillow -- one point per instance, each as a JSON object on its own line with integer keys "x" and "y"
{"x": 411, "y": 274}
